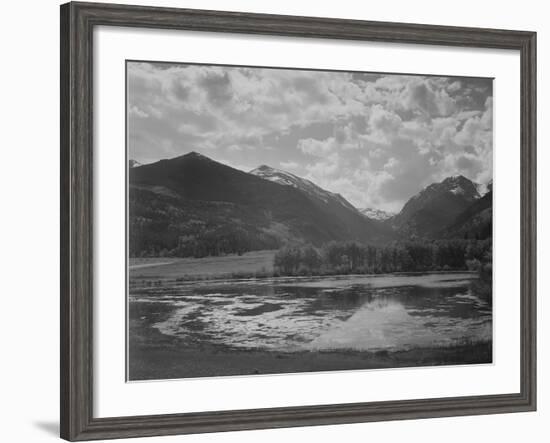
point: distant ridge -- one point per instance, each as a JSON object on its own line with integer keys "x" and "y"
{"x": 377, "y": 214}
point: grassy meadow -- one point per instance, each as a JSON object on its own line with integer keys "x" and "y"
{"x": 249, "y": 264}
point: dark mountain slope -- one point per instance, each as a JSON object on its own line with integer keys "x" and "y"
{"x": 196, "y": 201}
{"x": 435, "y": 207}
{"x": 475, "y": 222}
{"x": 333, "y": 205}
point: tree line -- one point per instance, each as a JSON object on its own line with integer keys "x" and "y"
{"x": 351, "y": 257}
{"x": 204, "y": 243}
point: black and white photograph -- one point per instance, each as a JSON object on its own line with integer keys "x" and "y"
{"x": 229, "y": 221}
{"x": 285, "y": 220}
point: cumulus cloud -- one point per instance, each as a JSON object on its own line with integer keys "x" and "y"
{"x": 421, "y": 95}
{"x": 316, "y": 147}
{"x": 376, "y": 139}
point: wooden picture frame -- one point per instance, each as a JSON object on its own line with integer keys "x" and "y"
{"x": 77, "y": 23}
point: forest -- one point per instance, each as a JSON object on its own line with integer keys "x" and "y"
{"x": 167, "y": 226}
{"x": 340, "y": 258}
{"x": 355, "y": 258}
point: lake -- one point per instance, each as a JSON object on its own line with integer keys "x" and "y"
{"x": 382, "y": 313}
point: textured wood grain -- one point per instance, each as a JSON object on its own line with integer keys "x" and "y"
{"x": 77, "y": 22}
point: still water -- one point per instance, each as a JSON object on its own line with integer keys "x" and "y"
{"x": 373, "y": 313}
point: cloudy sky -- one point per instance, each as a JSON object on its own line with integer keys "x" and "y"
{"x": 377, "y": 139}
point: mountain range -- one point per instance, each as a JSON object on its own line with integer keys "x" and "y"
{"x": 202, "y": 207}
{"x": 193, "y": 205}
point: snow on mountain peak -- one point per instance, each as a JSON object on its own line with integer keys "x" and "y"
{"x": 306, "y": 186}
{"x": 376, "y": 214}
{"x": 457, "y": 185}
{"x": 458, "y": 190}
{"x": 277, "y": 176}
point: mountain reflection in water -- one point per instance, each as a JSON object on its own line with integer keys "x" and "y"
{"x": 389, "y": 312}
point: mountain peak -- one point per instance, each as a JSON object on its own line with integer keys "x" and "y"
{"x": 254, "y": 211}
{"x": 437, "y": 205}
{"x": 457, "y": 185}
{"x": 455, "y": 178}
{"x": 194, "y": 154}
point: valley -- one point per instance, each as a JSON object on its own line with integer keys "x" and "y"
{"x": 193, "y": 206}
{"x": 236, "y": 273}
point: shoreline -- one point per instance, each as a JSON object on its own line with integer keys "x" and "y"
{"x": 222, "y": 278}
{"x": 178, "y": 360}
{"x": 254, "y": 265}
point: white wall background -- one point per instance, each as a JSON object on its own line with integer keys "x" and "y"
{"x": 29, "y": 188}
